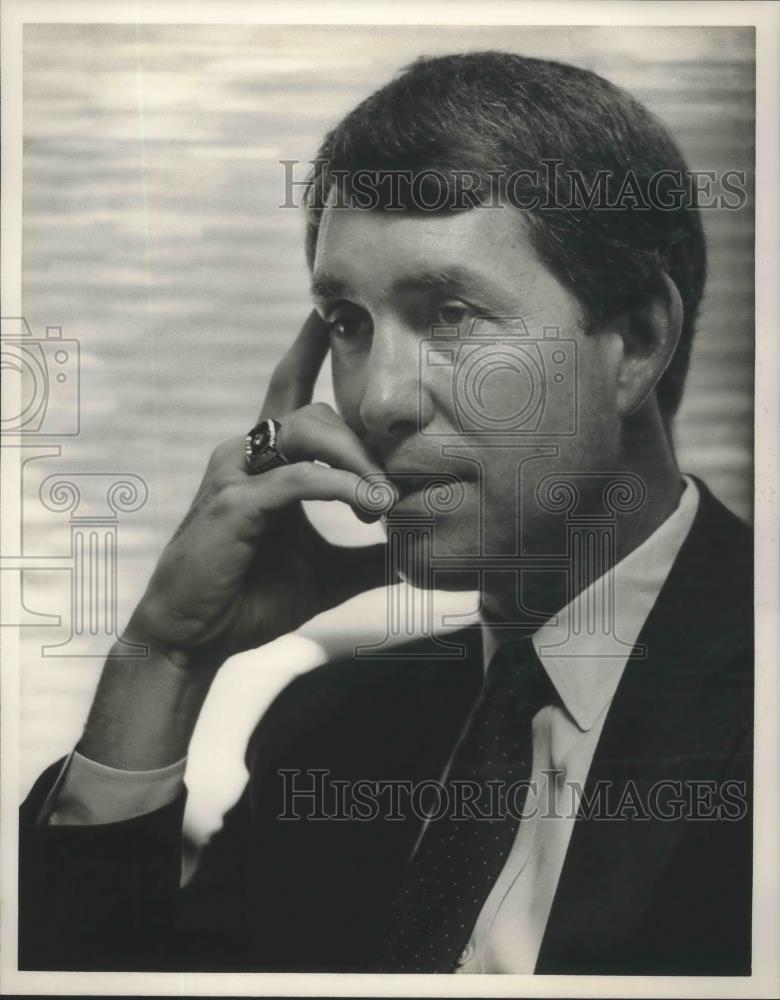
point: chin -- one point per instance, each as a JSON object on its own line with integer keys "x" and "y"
{"x": 436, "y": 555}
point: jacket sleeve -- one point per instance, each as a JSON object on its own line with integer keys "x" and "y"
{"x": 97, "y": 897}
{"x": 107, "y": 897}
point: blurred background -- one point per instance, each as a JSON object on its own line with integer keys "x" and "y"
{"x": 153, "y": 236}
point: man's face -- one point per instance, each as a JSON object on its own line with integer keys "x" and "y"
{"x": 493, "y": 402}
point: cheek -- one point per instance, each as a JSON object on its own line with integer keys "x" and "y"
{"x": 598, "y": 424}
{"x": 601, "y": 421}
{"x": 348, "y": 390}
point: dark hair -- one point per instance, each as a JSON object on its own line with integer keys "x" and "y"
{"x": 495, "y": 113}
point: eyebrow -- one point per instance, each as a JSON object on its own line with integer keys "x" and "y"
{"x": 328, "y": 287}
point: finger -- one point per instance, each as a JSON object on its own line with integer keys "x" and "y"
{"x": 292, "y": 382}
{"x": 277, "y": 489}
{"x": 314, "y": 433}
{"x": 317, "y": 432}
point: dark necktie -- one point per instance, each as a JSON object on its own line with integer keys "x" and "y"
{"x": 459, "y": 858}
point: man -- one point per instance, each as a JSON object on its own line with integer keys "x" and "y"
{"x": 523, "y": 346}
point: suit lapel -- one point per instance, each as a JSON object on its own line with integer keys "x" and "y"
{"x": 664, "y": 725}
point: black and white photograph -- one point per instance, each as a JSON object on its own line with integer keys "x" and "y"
{"x": 389, "y": 470}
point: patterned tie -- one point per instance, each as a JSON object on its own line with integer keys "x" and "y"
{"x": 459, "y": 858}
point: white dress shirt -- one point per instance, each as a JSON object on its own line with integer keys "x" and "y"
{"x": 508, "y": 932}
{"x": 585, "y": 668}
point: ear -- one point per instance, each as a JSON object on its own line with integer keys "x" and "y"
{"x": 649, "y": 334}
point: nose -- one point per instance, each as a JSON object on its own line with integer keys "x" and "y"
{"x": 395, "y": 401}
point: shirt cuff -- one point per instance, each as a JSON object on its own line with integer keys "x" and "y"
{"x": 89, "y": 794}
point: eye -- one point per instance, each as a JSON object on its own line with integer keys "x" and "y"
{"x": 453, "y": 314}
{"x": 341, "y": 328}
{"x": 346, "y": 325}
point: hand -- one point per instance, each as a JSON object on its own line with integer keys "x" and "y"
{"x": 246, "y": 565}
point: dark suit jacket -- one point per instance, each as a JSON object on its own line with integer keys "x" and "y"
{"x": 638, "y": 896}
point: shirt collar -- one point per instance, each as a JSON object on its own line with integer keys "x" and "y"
{"x": 585, "y": 665}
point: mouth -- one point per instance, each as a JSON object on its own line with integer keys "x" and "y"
{"x": 439, "y": 492}
{"x": 408, "y": 483}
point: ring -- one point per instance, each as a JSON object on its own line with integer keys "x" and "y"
{"x": 260, "y": 448}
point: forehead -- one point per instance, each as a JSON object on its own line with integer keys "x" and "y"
{"x": 372, "y": 252}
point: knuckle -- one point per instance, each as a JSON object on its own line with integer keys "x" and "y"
{"x": 230, "y": 493}
{"x": 222, "y": 452}
{"x": 299, "y": 473}
{"x": 321, "y": 411}
{"x": 220, "y": 479}
{"x": 226, "y": 499}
